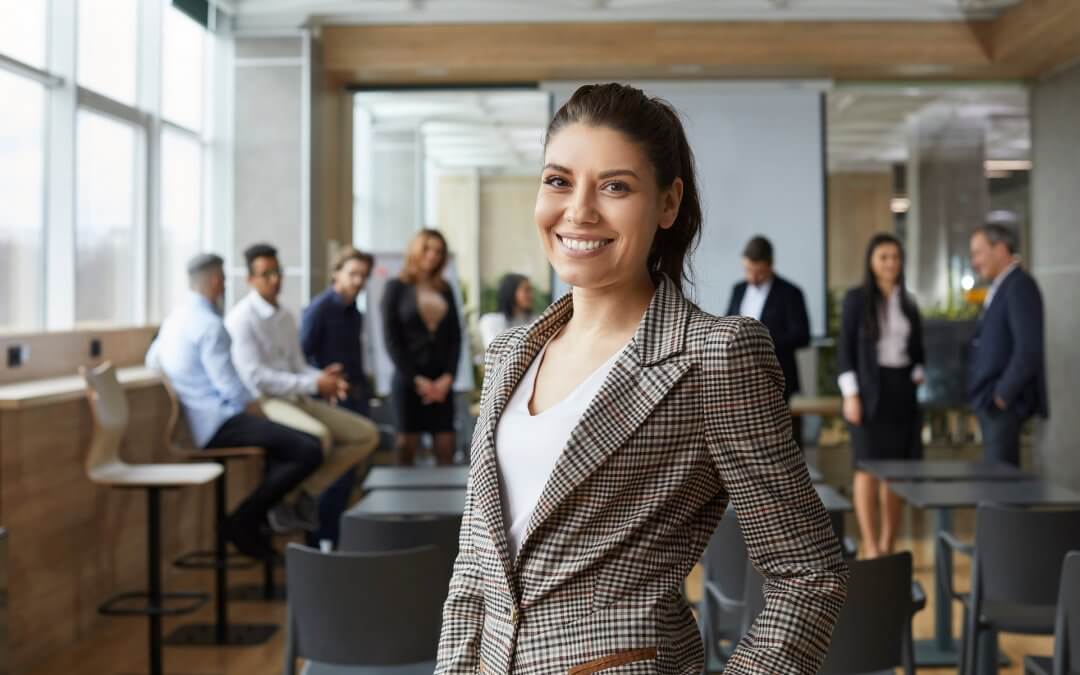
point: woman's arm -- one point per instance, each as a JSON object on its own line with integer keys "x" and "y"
{"x": 788, "y": 534}
{"x": 452, "y": 335}
{"x": 393, "y": 331}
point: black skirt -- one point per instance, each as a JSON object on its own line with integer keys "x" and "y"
{"x": 415, "y": 417}
{"x": 893, "y": 430}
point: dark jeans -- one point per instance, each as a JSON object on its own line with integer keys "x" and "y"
{"x": 291, "y": 456}
{"x": 335, "y": 499}
{"x": 1001, "y": 435}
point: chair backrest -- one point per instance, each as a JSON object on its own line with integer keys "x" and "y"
{"x": 375, "y": 534}
{"x": 1067, "y": 629}
{"x": 869, "y": 634}
{"x": 109, "y": 408}
{"x": 373, "y": 609}
{"x": 724, "y": 561}
{"x": 1019, "y": 552}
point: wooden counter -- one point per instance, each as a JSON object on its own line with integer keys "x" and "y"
{"x": 72, "y": 543}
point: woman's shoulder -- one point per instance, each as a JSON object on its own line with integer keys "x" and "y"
{"x": 718, "y": 337}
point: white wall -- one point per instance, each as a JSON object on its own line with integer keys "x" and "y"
{"x": 759, "y": 152}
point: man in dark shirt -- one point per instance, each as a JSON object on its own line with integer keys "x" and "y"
{"x": 331, "y": 331}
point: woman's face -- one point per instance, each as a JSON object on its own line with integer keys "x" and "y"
{"x": 599, "y": 207}
{"x": 432, "y": 256}
{"x": 885, "y": 263}
{"x": 523, "y": 297}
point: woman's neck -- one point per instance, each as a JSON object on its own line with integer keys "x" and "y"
{"x": 610, "y": 312}
{"x": 886, "y": 287}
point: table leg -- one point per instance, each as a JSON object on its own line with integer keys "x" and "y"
{"x": 943, "y": 638}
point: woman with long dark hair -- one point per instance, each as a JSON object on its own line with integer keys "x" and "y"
{"x": 880, "y": 360}
{"x": 423, "y": 338}
{"x": 616, "y": 428}
{"x": 514, "y": 301}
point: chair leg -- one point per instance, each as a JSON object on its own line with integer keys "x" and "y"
{"x": 269, "y": 587}
{"x": 221, "y": 625}
{"x": 153, "y": 555}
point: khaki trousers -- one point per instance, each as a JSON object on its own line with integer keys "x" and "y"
{"x": 347, "y": 438}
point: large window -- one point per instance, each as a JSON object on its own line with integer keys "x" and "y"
{"x": 22, "y": 31}
{"x": 182, "y": 65}
{"x": 181, "y": 209}
{"x": 108, "y": 48}
{"x": 22, "y": 160}
{"x": 103, "y": 140}
{"x": 105, "y": 219}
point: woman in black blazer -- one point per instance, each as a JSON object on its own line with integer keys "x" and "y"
{"x": 423, "y": 338}
{"x": 880, "y": 362}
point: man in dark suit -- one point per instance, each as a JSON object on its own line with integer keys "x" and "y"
{"x": 778, "y": 304}
{"x": 1007, "y": 372}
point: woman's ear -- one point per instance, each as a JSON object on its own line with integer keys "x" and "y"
{"x": 670, "y": 199}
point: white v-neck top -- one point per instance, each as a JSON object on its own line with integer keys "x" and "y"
{"x": 528, "y": 446}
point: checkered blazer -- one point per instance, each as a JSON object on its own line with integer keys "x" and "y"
{"x": 692, "y": 416}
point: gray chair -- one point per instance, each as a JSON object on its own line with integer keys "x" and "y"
{"x": 721, "y": 611}
{"x": 873, "y": 632}
{"x": 1016, "y": 567}
{"x": 363, "y": 613}
{"x": 1066, "y": 659}
{"x": 375, "y": 534}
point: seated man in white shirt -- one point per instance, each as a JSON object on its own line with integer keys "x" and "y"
{"x": 267, "y": 354}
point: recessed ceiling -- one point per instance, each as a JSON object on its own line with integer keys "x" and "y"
{"x": 869, "y": 127}
{"x": 292, "y": 13}
{"x": 497, "y": 130}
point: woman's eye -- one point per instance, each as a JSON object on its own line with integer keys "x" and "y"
{"x": 555, "y": 181}
{"x": 616, "y": 186}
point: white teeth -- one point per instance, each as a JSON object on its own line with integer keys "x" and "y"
{"x": 584, "y": 244}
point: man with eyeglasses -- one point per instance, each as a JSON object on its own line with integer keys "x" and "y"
{"x": 266, "y": 351}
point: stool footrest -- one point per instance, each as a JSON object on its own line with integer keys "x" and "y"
{"x": 207, "y": 560}
{"x": 187, "y": 602}
{"x": 233, "y": 635}
{"x": 257, "y": 592}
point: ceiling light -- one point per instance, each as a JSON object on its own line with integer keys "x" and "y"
{"x": 900, "y": 204}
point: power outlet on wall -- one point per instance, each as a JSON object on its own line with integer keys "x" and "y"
{"x": 17, "y": 355}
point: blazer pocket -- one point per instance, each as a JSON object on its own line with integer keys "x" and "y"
{"x": 614, "y": 661}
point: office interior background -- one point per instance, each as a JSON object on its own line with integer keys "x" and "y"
{"x": 135, "y": 134}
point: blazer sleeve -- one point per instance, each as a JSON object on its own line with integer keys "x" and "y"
{"x": 796, "y": 334}
{"x": 916, "y": 347}
{"x": 788, "y": 535}
{"x": 847, "y": 351}
{"x": 394, "y": 331}
{"x": 1025, "y": 317}
{"x": 735, "y": 300}
{"x": 311, "y": 323}
{"x": 463, "y": 611}
{"x": 453, "y": 335}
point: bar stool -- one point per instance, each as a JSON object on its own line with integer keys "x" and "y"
{"x": 221, "y": 632}
{"x": 109, "y": 408}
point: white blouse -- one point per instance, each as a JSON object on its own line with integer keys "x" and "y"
{"x": 528, "y": 446}
{"x": 893, "y": 332}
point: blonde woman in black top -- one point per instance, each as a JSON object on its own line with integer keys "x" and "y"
{"x": 423, "y": 338}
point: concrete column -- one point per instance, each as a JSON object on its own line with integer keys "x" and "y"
{"x": 1055, "y": 261}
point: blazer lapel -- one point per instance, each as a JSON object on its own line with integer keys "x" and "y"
{"x": 640, "y": 378}
{"x": 507, "y": 373}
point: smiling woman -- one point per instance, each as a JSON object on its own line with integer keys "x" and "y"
{"x": 617, "y": 427}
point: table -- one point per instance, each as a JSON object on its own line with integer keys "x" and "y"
{"x": 415, "y": 502}
{"x": 945, "y": 495}
{"x": 815, "y": 473}
{"x": 941, "y": 470}
{"x": 414, "y": 478}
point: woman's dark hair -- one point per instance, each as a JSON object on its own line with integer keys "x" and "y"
{"x": 507, "y": 296}
{"x": 655, "y": 125}
{"x": 875, "y": 301}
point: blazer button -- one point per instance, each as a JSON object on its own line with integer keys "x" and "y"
{"x": 514, "y": 615}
